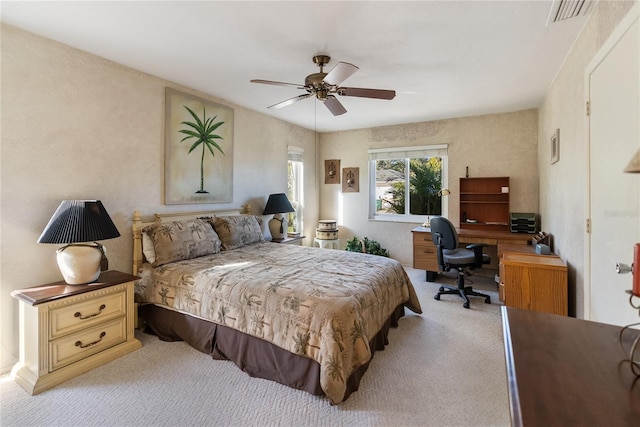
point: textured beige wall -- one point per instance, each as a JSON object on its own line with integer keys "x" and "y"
{"x": 491, "y": 145}
{"x": 76, "y": 126}
{"x": 563, "y": 186}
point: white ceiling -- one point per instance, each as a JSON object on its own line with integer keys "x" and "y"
{"x": 444, "y": 59}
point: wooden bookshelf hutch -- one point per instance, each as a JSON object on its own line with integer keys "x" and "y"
{"x": 484, "y": 203}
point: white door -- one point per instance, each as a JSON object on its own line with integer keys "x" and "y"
{"x": 614, "y": 196}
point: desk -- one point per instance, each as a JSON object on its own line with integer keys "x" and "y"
{"x": 424, "y": 251}
{"x": 563, "y": 371}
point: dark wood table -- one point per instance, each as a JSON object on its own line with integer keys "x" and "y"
{"x": 563, "y": 371}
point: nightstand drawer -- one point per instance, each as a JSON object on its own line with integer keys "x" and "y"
{"x": 80, "y": 345}
{"x": 87, "y": 312}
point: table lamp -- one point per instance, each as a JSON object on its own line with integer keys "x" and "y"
{"x": 78, "y": 224}
{"x": 277, "y": 205}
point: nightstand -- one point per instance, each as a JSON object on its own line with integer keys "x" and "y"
{"x": 66, "y": 330}
{"x": 290, "y": 240}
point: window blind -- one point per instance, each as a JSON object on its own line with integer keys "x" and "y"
{"x": 408, "y": 152}
{"x": 296, "y": 154}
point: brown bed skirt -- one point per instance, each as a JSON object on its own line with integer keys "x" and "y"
{"x": 256, "y": 357}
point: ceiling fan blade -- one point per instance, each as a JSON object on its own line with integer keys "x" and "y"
{"x": 366, "y": 93}
{"x": 340, "y": 73}
{"x": 290, "y": 101}
{"x": 334, "y": 105}
{"x": 269, "y": 82}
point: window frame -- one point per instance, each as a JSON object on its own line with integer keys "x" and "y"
{"x": 407, "y": 153}
{"x": 295, "y": 189}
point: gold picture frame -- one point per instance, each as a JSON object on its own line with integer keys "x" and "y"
{"x": 197, "y": 171}
{"x": 350, "y": 180}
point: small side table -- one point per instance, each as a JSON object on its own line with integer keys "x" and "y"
{"x": 335, "y": 244}
{"x": 289, "y": 240}
{"x": 66, "y": 330}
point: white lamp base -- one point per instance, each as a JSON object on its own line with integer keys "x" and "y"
{"x": 278, "y": 227}
{"x": 80, "y": 263}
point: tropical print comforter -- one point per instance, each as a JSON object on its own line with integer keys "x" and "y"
{"x": 320, "y": 303}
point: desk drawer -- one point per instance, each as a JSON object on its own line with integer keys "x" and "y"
{"x": 87, "y": 312}
{"x": 422, "y": 239}
{"x": 425, "y": 258}
{"x": 424, "y": 252}
{"x": 74, "y": 347}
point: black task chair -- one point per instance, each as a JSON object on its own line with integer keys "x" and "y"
{"x": 445, "y": 237}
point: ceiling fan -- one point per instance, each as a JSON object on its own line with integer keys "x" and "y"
{"x": 325, "y": 85}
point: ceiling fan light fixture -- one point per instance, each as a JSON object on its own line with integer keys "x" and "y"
{"x": 321, "y": 60}
{"x": 324, "y": 85}
{"x": 315, "y": 80}
{"x": 321, "y": 94}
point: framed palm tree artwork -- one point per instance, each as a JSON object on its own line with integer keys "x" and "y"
{"x": 198, "y": 150}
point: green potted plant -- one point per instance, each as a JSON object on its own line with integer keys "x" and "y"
{"x": 366, "y": 245}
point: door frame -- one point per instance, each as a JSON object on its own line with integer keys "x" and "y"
{"x": 613, "y": 39}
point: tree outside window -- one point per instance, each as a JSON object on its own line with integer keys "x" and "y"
{"x": 423, "y": 176}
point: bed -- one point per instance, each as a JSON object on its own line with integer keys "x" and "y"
{"x": 305, "y": 317}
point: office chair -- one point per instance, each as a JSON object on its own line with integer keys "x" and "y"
{"x": 445, "y": 237}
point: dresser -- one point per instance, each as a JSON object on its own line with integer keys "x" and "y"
{"x": 563, "y": 371}
{"x": 66, "y": 330}
{"x": 534, "y": 282}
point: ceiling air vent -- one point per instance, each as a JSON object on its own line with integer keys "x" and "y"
{"x": 562, "y": 10}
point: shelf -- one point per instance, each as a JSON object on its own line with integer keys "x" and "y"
{"x": 486, "y": 200}
{"x": 484, "y": 194}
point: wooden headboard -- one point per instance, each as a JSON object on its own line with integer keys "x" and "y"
{"x": 139, "y": 224}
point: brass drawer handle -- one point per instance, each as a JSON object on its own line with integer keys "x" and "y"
{"x": 79, "y": 343}
{"x": 79, "y": 315}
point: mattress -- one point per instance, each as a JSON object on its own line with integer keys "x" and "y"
{"x": 326, "y": 306}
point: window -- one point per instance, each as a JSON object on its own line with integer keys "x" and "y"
{"x": 421, "y": 170}
{"x": 295, "y": 188}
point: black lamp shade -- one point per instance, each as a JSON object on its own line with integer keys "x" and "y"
{"x": 278, "y": 203}
{"x": 78, "y": 221}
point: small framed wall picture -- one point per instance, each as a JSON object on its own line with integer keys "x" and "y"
{"x": 350, "y": 180}
{"x": 555, "y": 146}
{"x": 332, "y": 171}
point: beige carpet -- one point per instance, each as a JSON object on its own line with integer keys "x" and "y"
{"x": 442, "y": 368}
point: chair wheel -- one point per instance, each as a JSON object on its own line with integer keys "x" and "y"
{"x": 441, "y": 289}
{"x": 436, "y": 297}
{"x": 487, "y": 300}
{"x": 466, "y": 305}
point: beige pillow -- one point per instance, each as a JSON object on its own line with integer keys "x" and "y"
{"x": 180, "y": 240}
{"x": 237, "y": 230}
{"x": 147, "y": 248}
